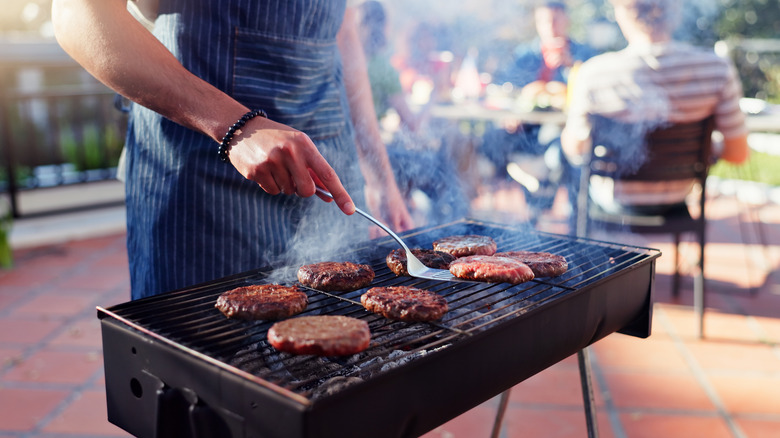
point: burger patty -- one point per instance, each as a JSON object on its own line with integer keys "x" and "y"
{"x": 321, "y": 335}
{"x": 336, "y": 276}
{"x": 404, "y": 303}
{"x": 543, "y": 264}
{"x": 462, "y": 246}
{"x": 262, "y": 301}
{"x": 491, "y": 269}
{"x": 396, "y": 260}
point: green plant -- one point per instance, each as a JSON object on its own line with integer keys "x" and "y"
{"x": 760, "y": 167}
{"x": 6, "y": 223}
{"x": 96, "y": 150}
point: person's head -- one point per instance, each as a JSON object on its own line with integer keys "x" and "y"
{"x": 552, "y": 21}
{"x": 653, "y": 20}
{"x": 373, "y": 22}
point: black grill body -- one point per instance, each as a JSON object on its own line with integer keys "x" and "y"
{"x": 175, "y": 366}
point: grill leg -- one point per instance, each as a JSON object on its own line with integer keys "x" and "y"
{"x": 503, "y": 401}
{"x": 587, "y": 393}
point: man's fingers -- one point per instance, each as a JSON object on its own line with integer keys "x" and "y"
{"x": 268, "y": 184}
{"x": 324, "y": 176}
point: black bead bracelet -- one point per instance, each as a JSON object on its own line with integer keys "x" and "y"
{"x": 223, "y": 146}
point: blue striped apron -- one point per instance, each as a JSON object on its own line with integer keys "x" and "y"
{"x": 192, "y": 218}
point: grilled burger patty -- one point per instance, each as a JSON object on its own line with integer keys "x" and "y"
{"x": 396, "y": 260}
{"x": 404, "y": 303}
{"x": 321, "y": 335}
{"x": 491, "y": 269}
{"x": 262, "y": 301}
{"x": 335, "y": 276}
{"x": 543, "y": 264}
{"x": 462, "y": 246}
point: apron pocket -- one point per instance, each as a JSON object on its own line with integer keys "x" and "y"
{"x": 296, "y": 81}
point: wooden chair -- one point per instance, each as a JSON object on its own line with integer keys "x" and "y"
{"x": 679, "y": 151}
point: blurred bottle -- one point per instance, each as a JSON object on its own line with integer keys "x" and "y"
{"x": 468, "y": 84}
{"x": 571, "y": 83}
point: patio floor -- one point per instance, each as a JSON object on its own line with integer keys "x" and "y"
{"x": 669, "y": 385}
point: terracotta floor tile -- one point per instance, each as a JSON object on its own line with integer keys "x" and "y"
{"x": 681, "y": 321}
{"x": 770, "y": 327}
{"x": 737, "y": 257}
{"x": 115, "y": 297}
{"x": 95, "y": 280}
{"x": 754, "y": 428}
{"x": 114, "y": 241}
{"x": 765, "y": 304}
{"x": 9, "y": 357}
{"x": 644, "y": 425}
{"x": 729, "y": 327}
{"x": 56, "y": 305}
{"x": 570, "y": 361}
{"x": 661, "y": 391}
{"x": 28, "y": 279}
{"x": 552, "y": 423}
{"x": 82, "y": 333}
{"x": 86, "y": 415}
{"x": 116, "y": 259}
{"x": 56, "y": 367}
{"x": 759, "y": 394}
{"x": 28, "y": 330}
{"x": 633, "y": 354}
{"x": 558, "y": 385}
{"x": 10, "y": 296}
{"x": 658, "y": 329}
{"x": 476, "y": 422}
{"x": 24, "y": 408}
{"x": 730, "y": 356}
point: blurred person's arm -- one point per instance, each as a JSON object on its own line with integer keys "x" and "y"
{"x": 382, "y": 192}
{"x": 575, "y": 146}
{"x": 409, "y": 118}
{"x": 115, "y": 48}
{"x": 730, "y": 120}
{"x": 575, "y": 137}
{"x": 735, "y": 150}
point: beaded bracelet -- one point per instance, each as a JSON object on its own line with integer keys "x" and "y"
{"x": 223, "y": 146}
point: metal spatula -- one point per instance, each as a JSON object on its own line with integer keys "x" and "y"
{"x": 413, "y": 265}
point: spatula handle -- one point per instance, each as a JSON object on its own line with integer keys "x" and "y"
{"x": 371, "y": 218}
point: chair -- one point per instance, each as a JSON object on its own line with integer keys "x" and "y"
{"x": 679, "y": 151}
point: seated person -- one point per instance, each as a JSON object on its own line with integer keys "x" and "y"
{"x": 541, "y": 70}
{"x": 652, "y": 82}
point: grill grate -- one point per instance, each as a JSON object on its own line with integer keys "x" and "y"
{"x": 188, "y": 319}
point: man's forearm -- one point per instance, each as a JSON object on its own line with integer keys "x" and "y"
{"x": 373, "y": 156}
{"x": 112, "y": 46}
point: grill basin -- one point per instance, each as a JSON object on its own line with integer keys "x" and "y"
{"x": 175, "y": 366}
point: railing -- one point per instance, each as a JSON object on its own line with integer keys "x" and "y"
{"x": 55, "y": 135}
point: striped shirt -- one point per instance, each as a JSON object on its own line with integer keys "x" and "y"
{"x": 655, "y": 84}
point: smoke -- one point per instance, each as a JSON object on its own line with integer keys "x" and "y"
{"x": 429, "y": 165}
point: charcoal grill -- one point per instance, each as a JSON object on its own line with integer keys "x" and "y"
{"x": 175, "y": 366}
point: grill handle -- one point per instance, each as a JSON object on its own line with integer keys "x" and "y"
{"x": 181, "y": 415}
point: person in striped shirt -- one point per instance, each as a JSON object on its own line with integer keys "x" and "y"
{"x": 654, "y": 81}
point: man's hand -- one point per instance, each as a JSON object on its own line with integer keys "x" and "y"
{"x": 284, "y": 160}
